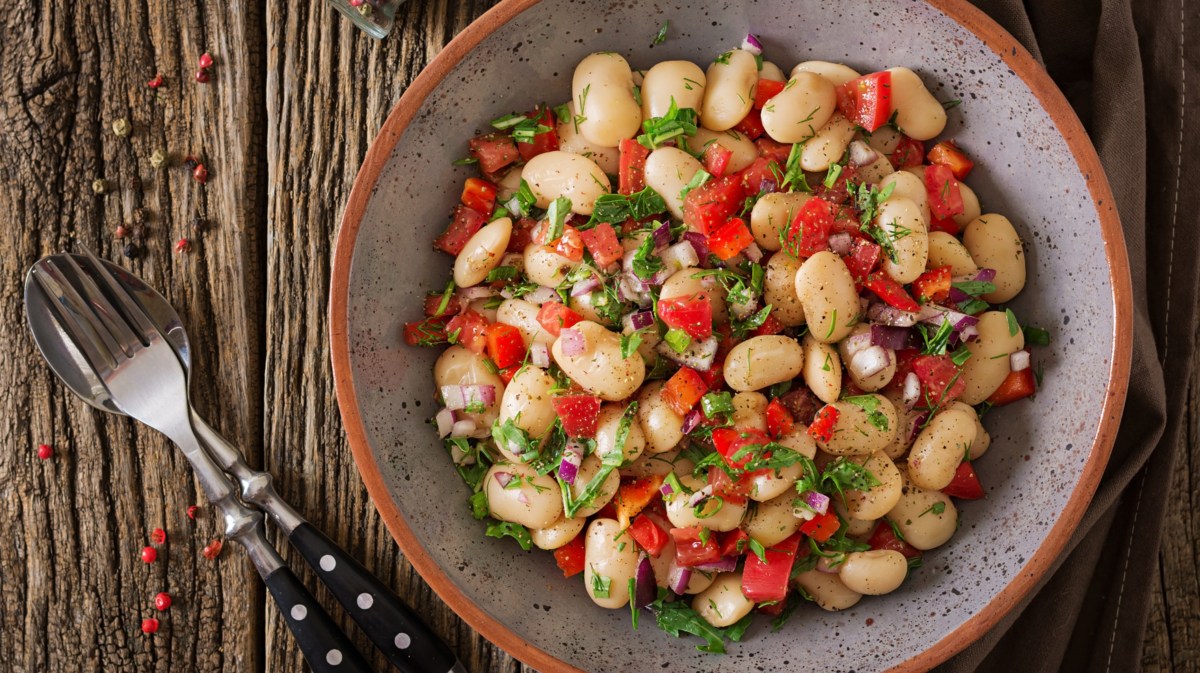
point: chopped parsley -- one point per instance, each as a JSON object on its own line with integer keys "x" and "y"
{"x": 870, "y": 405}
{"x": 500, "y": 273}
{"x": 661, "y": 35}
{"x": 702, "y": 176}
{"x": 675, "y": 123}
{"x": 556, "y": 215}
{"x": 465, "y": 161}
{"x": 1013, "y": 325}
{"x": 501, "y": 529}
{"x": 645, "y": 262}
{"x": 716, "y": 403}
{"x": 1036, "y": 336}
{"x": 601, "y": 585}
{"x": 937, "y": 342}
{"x": 936, "y": 508}
{"x": 677, "y": 339}
{"x": 974, "y": 287}
{"x": 759, "y": 550}
{"x": 616, "y": 208}
{"x": 677, "y": 617}
{"x": 630, "y": 342}
{"x": 525, "y": 199}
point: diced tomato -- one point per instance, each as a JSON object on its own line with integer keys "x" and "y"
{"x": 506, "y": 346}
{"x": 965, "y": 483}
{"x": 765, "y": 91}
{"x": 469, "y": 329}
{"x": 730, "y": 239}
{"x": 709, "y": 206}
{"x": 773, "y": 608}
{"x": 947, "y": 154}
{"x": 554, "y": 317}
{"x": 845, "y": 221}
{"x": 466, "y": 222}
{"x": 779, "y": 419}
{"x": 602, "y": 242}
{"x": 802, "y": 403}
{"x": 716, "y": 159}
{"x": 822, "y": 426}
{"x": 733, "y": 491}
{"x": 883, "y": 537}
{"x": 479, "y": 195}
{"x": 570, "y": 244}
{"x": 632, "y": 176}
{"x": 867, "y": 100}
{"x": 732, "y": 442}
{"x": 763, "y": 582}
{"x": 433, "y": 302}
{"x": 821, "y": 527}
{"x": 947, "y": 225}
{"x": 546, "y": 141}
{"x": 941, "y": 379}
{"x": 427, "y": 332}
{"x": 751, "y": 125}
{"x": 863, "y": 258}
{"x": 909, "y": 152}
{"x": 690, "y": 550}
{"x": 945, "y": 198}
{"x": 904, "y": 362}
{"x": 1016, "y": 386}
{"x": 570, "y": 557}
{"x": 506, "y": 375}
{"x": 522, "y": 235}
{"x": 649, "y": 535}
{"x": 692, "y": 314}
{"x": 578, "y": 414}
{"x": 770, "y": 326}
{"x": 808, "y": 233}
{"x": 759, "y": 177}
{"x": 494, "y": 151}
{"x": 734, "y": 542}
{"x": 839, "y": 192}
{"x": 634, "y": 495}
{"x": 933, "y": 285}
{"x": 714, "y": 378}
{"x": 683, "y": 390}
{"x": 890, "y": 291}
{"x": 773, "y": 150}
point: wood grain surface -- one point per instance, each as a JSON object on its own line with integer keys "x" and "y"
{"x": 295, "y": 98}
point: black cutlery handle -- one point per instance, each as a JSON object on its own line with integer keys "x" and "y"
{"x": 394, "y": 628}
{"x": 325, "y": 647}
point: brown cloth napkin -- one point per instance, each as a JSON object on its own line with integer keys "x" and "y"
{"x": 1130, "y": 69}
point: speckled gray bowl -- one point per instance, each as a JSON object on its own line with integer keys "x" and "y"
{"x": 1034, "y": 164}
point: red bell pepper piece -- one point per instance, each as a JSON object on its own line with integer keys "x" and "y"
{"x": 602, "y": 242}
{"x": 765, "y": 91}
{"x": 933, "y": 285}
{"x": 546, "y": 141}
{"x": 867, "y": 100}
{"x": 506, "y": 346}
{"x": 709, "y": 206}
{"x": 632, "y": 175}
{"x": 751, "y": 125}
{"x": 692, "y": 314}
{"x": 809, "y": 230}
{"x": 1017, "y": 385}
{"x": 683, "y": 390}
{"x": 570, "y": 557}
{"x": 634, "y": 495}
{"x": 469, "y": 329}
{"x": 479, "y": 195}
{"x": 908, "y": 152}
{"x": 649, "y": 535}
{"x": 822, "y": 426}
{"x": 779, "y": 419}
{"x": 945, "y": 198}
{"x": 494, "y": 151}
{"x": 733, "y": 237}
{"x": 554, "y": 317}
{"x": 732, "y": 442}
{"x": 578, "y": 414}
{"x": 690, "y": 550}
{"x": 883, "y": 537}
{"x": 890, "y": 292}
{"x": 466, "y": 222}
{"x": 965, "y": 483}
{"x": 716, "y": 159}
{"x": 947, "y": 154}
{"x": 768, "y": 581}
{"x": 821, "y": 527}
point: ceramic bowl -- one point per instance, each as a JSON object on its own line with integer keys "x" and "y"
{"x": 1034, "y": 164}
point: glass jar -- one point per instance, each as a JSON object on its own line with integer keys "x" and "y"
{"x": 374, "y": 16}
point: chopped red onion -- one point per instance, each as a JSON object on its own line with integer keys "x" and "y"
{"x": 824, "y": 566}
{"x": 662, "y": 236}
{"x": 890, "y": 315}
{"x": 539, "y": 354}
{"x": 840, "y": 243}
{"x": 1019, "y": 361}
{"x": 464, "y": 428}
{"x": 691, "y": 421}
{"x": 645, "y": 588}
{"x": 470, "y": 294}
{"x": 869, "y": 362}
{"x": 917, "y": 422}
{"x": 700, "y": 243}
{"x": 856, "y": 343}
{"x": 638, "y": 320}
{"x": 726, "y": 564}
{"x": 699, "y": 496}
{"x": 862, "y": 154}
{"x": 461, "y": 397}
{"x": 503, "y": 478}
{"x": 892, "y": 338}
{"x": 678, "y": 578}
{"x": 753, "y": 253}
{"x": 743, "y": 310}
{"x": 572, "y": 457}
{"x": 912, "y": 390}
{"x": 445, "y": 422}
{"x": 752, "y": 45}
{"x": 666, "y": 490}
{"x": 680, "y": 256}
{"x": 585, "y": 286}
{"x": 934, "y": 314}
{"x": 983, "y": 275}
{"x": 573, "y": 341}
{"x": 969, "y": 332}
{"x": 819, "y": 502}
{"x": 631, "y": 288}
{"x": 522, "y": 498}
{"x": 699, "y": 355}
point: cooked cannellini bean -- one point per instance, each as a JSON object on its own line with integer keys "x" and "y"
{"x": 516, "y": 493}
{"x": 971, "y": 209}
{"x": 772, "y": 213}
{"x": 770, "y": 484}
{"x": 714, "y": 514}
{"x": 772, "y": 521}
{"x": 662, "y": 427}
{"x": 982, "y": 439}
{"x": 795, "y": 114}
{"x": 681, "y": 82}
{"x": 723, "y": 603}
{"x": 599, "y": 368}
{"x": 918, "y": 114}
{"x": 779, "y": 289}
{"x": 946, "y": 250}
{"x": 744, "y": 152}
{"x": 602, "y": 90}
{"x": 826, "y": 290}
{"x": 875, "y": 572}
{"x": 557, "y": 534}
{"x": 828, "y": 145}
{"x": 989, "y": 364}
{"x": 668, "y": 170}
{"x": 907, "y": 184}
{"x": 610, "y": 561}
{"x": 771, "y": 72}
{"x": 685, "y": 283}
{"x": 926, "y": 519}
{"x": 941, "y": 446}
{"x": 571, "y": 140}
{"x": 822, "y": 369}
{"x": 527, "y": 403}
{"x": 877, "y": 501}
{"x": 457, "y": 366}
{"x": 827, "y": 590}
{"x": 729, "y": 93}
{"x": 858, "y": 433}
{"x": 750, "y": 411}
{"x": 651, "y": 464}
{"x": 994, "y": 244}
{"x": 902, "y": 222}
{"x": 588, "y": 469}
{"x": 482, "y": 252}
{"x": 608, "y": 425}
{"x": 558, "y": 173}
{"x": 836, "y": 73}
{"x": 763, "y": 361}
{"x": 546, "y": 267}
{"x": 854, "y": 348}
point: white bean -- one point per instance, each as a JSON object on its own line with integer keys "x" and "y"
{"x": 773, "y": 483}
{"x": 971, "y": 208}
{"x": 527, "y": 403}
{"x": 885, "y": 140}
{"x": 826, "y": 289}
{"x": 850, "y": 348}
{"x": 608, "y": 425}
{"x": 588, "y": 469}
{"x": 994, "y": 244}
{"x": 729, "y": 93}
{"x": 482, "y": 252}
{"x": 685, "y": 284}
{"x": 558, "y": 173}
{"x": 875, "y": 572}
{"x": 939, "y": 449}
{"x": 571, "y": 140}
{"x": 750, "y": 411}
{"x": 457, "y": 366}
{"x": 908, "y": 184}
{"x": 982, "y": 439}
{"x": 876, "y": 501}
{"x": 744, "y": 151}
{"x": 772, "y": 213}
{"x": 714, "y": 514}
{"x": 763, "y": 361}
{"x": 680, "y": 82}
{"x": 918, "y": 114}
{"x": 946, "y": 250}
{"x": 610, "y": 561}
{"x": 828, "y": 145}
{"x": 771, "y": 72}
{"x": 599, "y": 368}
{"x": 651, "y": 464}
{"x": 858, "y": 433}
{"x": 989, "y": 365}
{"x": 902, "y": 222}
{"x": 926, "y": 519}
{"x": 668, "y": 170}
{"x": 602, "y": 89}
{"x": 806, "y": 103}
{"x": 836, "y": 73}
{"x": 827, "y": 590}
{"x": 557, "y": 534}
{"x": 822, "y": 369}
{"x": 779, "y": 289}
{"x": 516, "y": 493}
{"x": 546, "y": 267}
{"x": 723, "y": 603}
{"x": 772, "y": 522}
{"x": 662, "y": 427}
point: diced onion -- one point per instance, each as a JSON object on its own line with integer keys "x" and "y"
{"x": 585, "y": 286}
{"x": 862, "y": 154}
{"x": 912, "y": 390}
{"x": 1019, "y": 361}
{"x": 753, "y": 253}
{"x": 752, "y": 45}
{"x": 572, "y": 456}
{"x": 890, "y": 315}
{"x": 699, "y": 496}
{"x": 700, "y": 243}
{"x": 743, "y": 310}
{"x": 541, "y": 295}
{"x": 840, "y": 243}
{"x": 726, "y": 564}
{"x": 522, "y": 498}
{"x": 678, "y": 578}
{"x": 638, "y": 320}
{"x": 869, "y": 362}
{"x": 680, "y": 256}
{"x": 445, "y": 422}
{"x": 461, "y": 397}
{"x": 470, "y": 294}
{"x": 819, "y": 502}
{"x": 539, "y": 355}
{"x": 503, "y": 478}
{"x": 699, "y": 355}
{"x": 691, "y": 421}
{"x": 856, "y": 343}
{"x": 645, "y": 588}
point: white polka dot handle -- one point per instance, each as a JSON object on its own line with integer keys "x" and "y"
{"x": 391, "y": 625}
{"x": 325, "y": 647}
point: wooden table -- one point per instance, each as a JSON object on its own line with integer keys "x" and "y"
{"x": 295, "y": 97}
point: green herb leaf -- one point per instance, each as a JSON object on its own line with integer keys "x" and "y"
{"x": 759, "y": 550}
{"x": 645, "y": 262}
{"x": 674, "y": 124}
{"x": 507, "y": 121}
{"x": 556, "y": 215}
{"x": 465, "y": 161}
{"x": 501, "y": 529}
{"x": 501, "y": 273}
{"x": 677, "y": 339}
{"x": 831, "y": 177}
{"x": 1013, "y": 325}
{"x": 1036, "y": 336}
{"x": 936, "y": 508}
{"x": 479, "y": 505}
{"x": 525, "y": 198}
{"x": 702, "y": 176}
{"x": 716, "y": 403}
{"x": 601, "y": 585}
{"x": 974, "y": 287}
{"x": 661, "y": 36}
{"x": 616, "y": 208}
{"x": 870, "y": 405}
{"x": 630, "y": 343}
{"x": 677, "y": 617}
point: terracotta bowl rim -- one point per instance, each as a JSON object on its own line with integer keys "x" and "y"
{"x": 1017, "y": 58}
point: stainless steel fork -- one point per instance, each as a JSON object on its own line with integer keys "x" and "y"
{"x": 147, "y": 382}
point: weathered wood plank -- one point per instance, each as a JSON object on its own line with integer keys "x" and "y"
{"x": 74, "y": 591}
{"x": 320, "y": 125}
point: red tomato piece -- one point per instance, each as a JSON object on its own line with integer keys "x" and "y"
{"x": 732, "y": 444}
{"x": 734, "y": 542}
{"x": 884, "y": 537}
{"x": 710, "y": 205}
{"x": 649, "y": 535}
{"x": 845, "y": 221}
{"x": 554, "y": 317}
{"x": 570, "y": 557}
{"x": 904, "y": 363}
{"x": 768, "y": 581}
{"x": 716, "y": 159}
{"x": 947, "y": 225}
{"x": 863, "y": 258}
{"x": 772, "y": 150}
{"x": 714, "y": 378}
{"x": 751, "y": 125}
{"x": 759, "y": 177}
{"x": 468, "y": 329}
{"x": 522, "y": 235}
{"x": 945, "y": 198}
{"x": 947, "y": 154}
{"x": 635, "y": 495}
{"x": 867, "y": 100}
{"x": 732, "y": 491}
{"x": 770, "y": 326}
{"x": 733, "y": 237}
{"x": 427, "y": 332}
{"x": 890, "y": 291}
{"x": 433, "y": 302}
{"x": 691, "y": 314}
{"x": 965, "y": 483}
{"x": 466, "y": 222}
{"x": 822, "y": 527}
{"x": 779, "y": 419}
{"x": 1016, "y": 386}
{"x": 578, "y": 414}
{"x": 933, "y": 285}
{"x": 494, "y": 151}
{"x": 479, "y": 195}
{"x": 602, "y": 242}
{"x": 690, "y": 550}
{"x": 683, "y": 390}
{"x": 823, "y": 424}
{"x": 839, "y": 193}
{"x": 570, "y": 244}
{"x": 506, "y": 375}
{"x": 908, "y": 153}
{"x": 546, "y": 141}
{"x": 808, "y": 233}
{"x": 941, "y": 379}
{"x": 506, "y": 346}
{"x": 765, "y": 91}
{"x": 632, "y": 176}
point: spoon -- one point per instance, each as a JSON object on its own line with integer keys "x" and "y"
{"x": 390, "y": 624}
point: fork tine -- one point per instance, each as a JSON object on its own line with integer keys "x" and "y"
{"x": 116, "y": 323}
{"x": 131, "y": 309}
{"x": 96, "y": 344}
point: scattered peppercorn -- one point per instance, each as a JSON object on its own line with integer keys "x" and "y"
{"x": 183, "y": 246}
{"x": 158, "y": 158}
{"x": 121, "y": 231}
{"x": 200, "y": 173}
{"x": 162, "y": 601}
{"x": 149, "y": 625}
{"x": 191, "y": 512}
{"x": 156, "y": 82}
{"x": 158, "y": 536}
{"x": 202, "y": 76}
{"x": 212, "y": 550}
{"x": 99, "y": 186}
{"x": 149, "y": 554}
{"x": 122, "y": 127}
{"x": 206, "y": 61}
{"x": 45, "y": 451}
{"x": 132, "y": 251}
